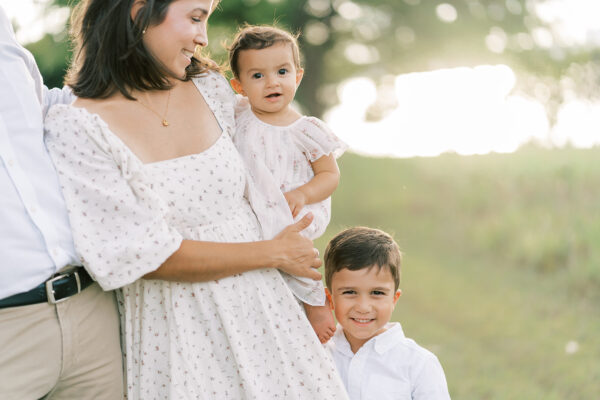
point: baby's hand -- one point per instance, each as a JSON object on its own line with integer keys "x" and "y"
{"x": 296, "y": 201}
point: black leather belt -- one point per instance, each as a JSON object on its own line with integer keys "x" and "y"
{"x": 56, "y": 289}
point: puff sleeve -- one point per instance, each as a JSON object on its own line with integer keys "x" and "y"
{"x": 118, "y": 222}
{"x": 316, "y": 139}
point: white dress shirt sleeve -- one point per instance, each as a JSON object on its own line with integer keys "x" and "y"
{"x": 35, "y": 236}
{"x": 430, "y": 381}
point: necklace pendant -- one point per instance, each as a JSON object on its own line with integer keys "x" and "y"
{"x": 165, "y": 123}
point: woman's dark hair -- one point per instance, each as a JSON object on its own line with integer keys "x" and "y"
{"x": 109, "y": 53}
{"x": 362, "y": 248}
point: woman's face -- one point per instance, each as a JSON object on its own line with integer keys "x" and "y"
{"x": 173, "y": 41}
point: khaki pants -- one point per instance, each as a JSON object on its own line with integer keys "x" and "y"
{"x": 70, "y": 350}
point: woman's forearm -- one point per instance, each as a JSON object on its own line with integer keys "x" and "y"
{"x": 204, "y": 261}
{"x": 197, "y": 261}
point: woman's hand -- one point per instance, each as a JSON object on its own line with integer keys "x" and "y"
{"x": 295, "y": 254}
{"x": 296, "y": 200}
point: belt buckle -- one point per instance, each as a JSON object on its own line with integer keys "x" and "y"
{"x": 50, "y": 287}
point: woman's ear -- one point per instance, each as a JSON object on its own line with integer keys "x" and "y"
{"x": 135, "y": 8}
{"x": 237, "y": 86}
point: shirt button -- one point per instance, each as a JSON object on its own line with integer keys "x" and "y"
{"x": 33, "y": 210}
{"x": 11, "y": 163}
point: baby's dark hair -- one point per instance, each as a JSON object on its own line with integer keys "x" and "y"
{"x": 256, "y": 37}
{"x": 359, "y": 248}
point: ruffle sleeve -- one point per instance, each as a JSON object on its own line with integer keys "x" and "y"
{"x": 118, "y": 222}
{"x": 316, "y": 139}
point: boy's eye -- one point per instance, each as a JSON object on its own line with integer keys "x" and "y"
{"x": 378, "y": 293}
{"x": 257, "y": 75}
{"x": 349, "y": 292}
{"x": 282, "y": 71}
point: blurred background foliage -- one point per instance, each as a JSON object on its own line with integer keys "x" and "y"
{"x": 501, "y": 269}
{"x": 383, "y": 38}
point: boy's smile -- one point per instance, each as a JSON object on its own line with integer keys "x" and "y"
{"x": 363, "y": 302}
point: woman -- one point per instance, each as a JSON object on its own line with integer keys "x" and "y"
{"x": 155, "y": 190}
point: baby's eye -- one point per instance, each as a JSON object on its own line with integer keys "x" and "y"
{"x": 257, "y": 75}
{"x": 282, "y": 71}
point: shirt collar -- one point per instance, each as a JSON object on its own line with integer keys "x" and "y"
{"x": 381, "y": 343}
{"x": 340, "y": 342}
{"x": 388, "y": 339}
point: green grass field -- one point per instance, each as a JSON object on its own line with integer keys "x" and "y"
{"x": 501, "y": 264}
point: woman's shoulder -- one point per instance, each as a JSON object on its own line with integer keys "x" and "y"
{"x": 67, "y": 117}
{"x": 213, "y": 81}
{"x": 73, "y": 122}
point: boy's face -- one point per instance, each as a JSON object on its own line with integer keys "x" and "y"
{"x": 363, "y": 302}
{"x": 268, "y": 77}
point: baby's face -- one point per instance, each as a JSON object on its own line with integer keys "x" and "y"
{"x": 363, "y": 302}
{"x": 268, "y": 77}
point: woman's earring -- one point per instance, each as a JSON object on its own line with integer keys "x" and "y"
{"x": 144, "y": 31}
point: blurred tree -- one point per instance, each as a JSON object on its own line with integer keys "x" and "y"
{"x": 383, "y": 38}
{"x": 52, "y": 55}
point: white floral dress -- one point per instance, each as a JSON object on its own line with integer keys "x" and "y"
{"x": 243, "y": 337}
{"x": 279, "y": 160}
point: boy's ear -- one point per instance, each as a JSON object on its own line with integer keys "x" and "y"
{"x": 237, "y": 86}
{"x": 329, "y": 299}
{"x": 135, "y": 8}
{"x": 299, "y": 75}
{"x": 397, "y": 295}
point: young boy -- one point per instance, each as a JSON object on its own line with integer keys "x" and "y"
{"x": 372, "y": 355}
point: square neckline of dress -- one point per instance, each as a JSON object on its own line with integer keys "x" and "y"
{"x": 196, "y": 81}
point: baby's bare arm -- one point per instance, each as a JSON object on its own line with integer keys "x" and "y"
{"x": 320, "y": 187}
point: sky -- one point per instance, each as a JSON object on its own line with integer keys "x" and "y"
{"x": 463, "y": 110}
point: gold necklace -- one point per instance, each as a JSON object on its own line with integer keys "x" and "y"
{"x": 163, "y": 118}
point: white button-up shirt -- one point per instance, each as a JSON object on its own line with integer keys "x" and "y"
{"x": 388, "y": 367}
{"x": 35, "y": 236}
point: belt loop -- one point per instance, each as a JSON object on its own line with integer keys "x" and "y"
{"x": 78, "y": 281}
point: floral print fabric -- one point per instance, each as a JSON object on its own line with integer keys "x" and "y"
{"x": 243, "y": 337}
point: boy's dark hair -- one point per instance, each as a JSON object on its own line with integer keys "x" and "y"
{"x": 256, "y": 37}
{"x": 359, "y": 248}
{"x": 109, "y": 53}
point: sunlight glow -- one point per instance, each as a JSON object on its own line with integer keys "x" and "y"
{"x": 446, "y": 12}
{"x": 574, "y": 21}
{"x": 496, "y": 40}
{"x": 462, "y": 110}
{"x": 349, "y": 10}
{"x": 28, "y": 14}
{"x": 578, "y": 124}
